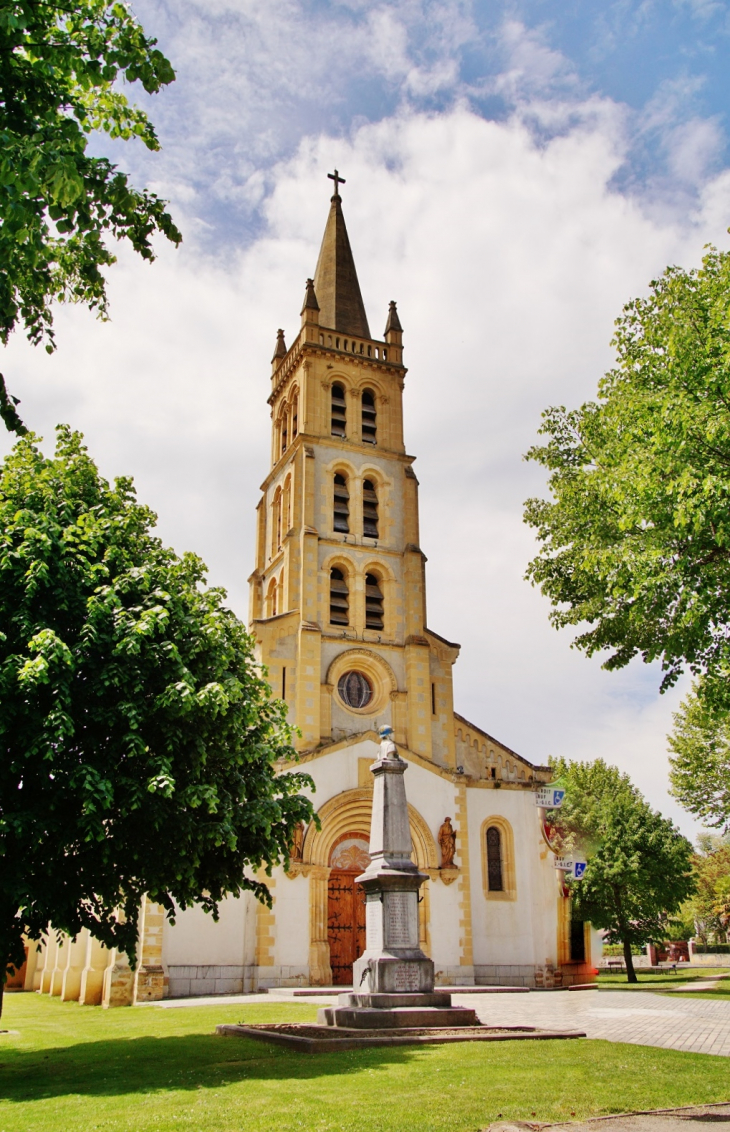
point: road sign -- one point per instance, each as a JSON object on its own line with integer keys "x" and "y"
{"x": 549, "y": 798}
{"x": 573, "y": 865}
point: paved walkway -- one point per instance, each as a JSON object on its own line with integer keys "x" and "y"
{"x": 700, "y": 1119}
{"x": 698, "y": 1025}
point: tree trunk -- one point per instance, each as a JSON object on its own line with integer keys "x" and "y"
{"x": 629, "y": 961}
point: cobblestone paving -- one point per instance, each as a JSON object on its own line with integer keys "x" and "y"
{"x": 681, "y": 1120}
{"x": 643, "y": 1018}
{"x": 698, "y": 1025}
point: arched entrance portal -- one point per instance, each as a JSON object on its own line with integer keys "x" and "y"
{"x": 349, "y": 857}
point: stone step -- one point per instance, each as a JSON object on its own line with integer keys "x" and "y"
{"x": 383, "y": 1001}
{"x": 364, "y": 1018}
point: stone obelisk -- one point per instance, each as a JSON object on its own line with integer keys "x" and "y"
{"x": 393, "y": 962}
{"x": 393, "y": 979}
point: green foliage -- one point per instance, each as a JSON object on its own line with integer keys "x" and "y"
{"x": 700, "y": 774}
{"x": 636, "y": 539}
{"x": 639, "y": 864}
{"x": 681, "y": 926}
{"x": 712, "y": 948}
{"x": 139, "y": 741}
{"x": 617, "y": 949}
{"x": 58, "y": 205}
{"x": 709, "y": 902}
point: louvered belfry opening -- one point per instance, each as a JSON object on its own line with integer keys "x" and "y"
{"x": 373, "y": 603}
{"x": 369, "y": 509}
{"x": 494, "y": 859}
{"x": 284, "y": 434}
{"x": 339, "y": 598}
{"x": 369, "y": 419}
{"x": 339, "y": 411}
{"x": 341, "y": 521}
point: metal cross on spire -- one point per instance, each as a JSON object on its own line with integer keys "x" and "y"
{"x": 338, "y": 180}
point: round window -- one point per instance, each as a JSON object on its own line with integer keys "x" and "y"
{"x": 355, "y": 689}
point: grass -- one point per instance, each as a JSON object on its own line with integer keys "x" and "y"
{"x": 668, "y": 981}
{"x": 83, "y": 1069}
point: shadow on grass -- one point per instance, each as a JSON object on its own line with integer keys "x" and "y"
{"x": 141, "y": 1065}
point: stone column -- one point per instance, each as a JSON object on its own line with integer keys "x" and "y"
{"x": 92, "y": 975}
{"x": 118, "y": 984}
{"x": 320, "y": 971}
{"x": 55, "y": 977}
{"x": 75, "y": 960}
{"x": 34, "y": 966}
{"x": 150, "y": 979}
{"x": 393, "y": 961}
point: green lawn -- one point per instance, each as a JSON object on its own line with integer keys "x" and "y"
{"x": 76, "y": 1069}
{"x": 667, "y": 981}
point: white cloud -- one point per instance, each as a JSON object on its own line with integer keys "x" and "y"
{"x": 510, "y": 259}
{"x": 530, "y": 66}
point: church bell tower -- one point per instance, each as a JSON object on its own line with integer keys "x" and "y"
{"x": 338, "y": 595}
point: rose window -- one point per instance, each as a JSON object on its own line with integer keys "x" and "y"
{"x": 355, "y": 689}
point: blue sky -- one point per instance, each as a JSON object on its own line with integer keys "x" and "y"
{"x": 255, "y": 78}
{"x": 515, "y": 173}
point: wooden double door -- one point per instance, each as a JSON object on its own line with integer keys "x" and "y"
{"x": 345, "y": 923}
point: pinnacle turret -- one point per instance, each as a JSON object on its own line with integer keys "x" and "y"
{"x": 310, "y": 298}
{"x": 280, "y": 351}
{"x": 393, "y": 322}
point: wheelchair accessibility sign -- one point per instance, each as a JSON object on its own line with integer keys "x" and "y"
{"x": 549, "y": 798}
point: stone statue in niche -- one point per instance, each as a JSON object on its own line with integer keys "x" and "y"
{"x": 447, "y": 844}
{"x": 296, "y": 852}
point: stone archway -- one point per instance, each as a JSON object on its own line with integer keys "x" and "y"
{"x": 349, "y": 814}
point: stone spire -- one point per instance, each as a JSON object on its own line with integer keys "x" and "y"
{"x": 335, "y": 281}
{"x": 310, "y": 298}
{"x": 280, "y": 351}
{"x": 393, "y": 322}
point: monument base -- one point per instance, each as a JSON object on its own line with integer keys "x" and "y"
{"x": 407, "y": 973}
{"x": 396, "y": 1011}
{"x": 402, "y": 1017}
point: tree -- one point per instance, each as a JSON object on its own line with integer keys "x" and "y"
{"x": 636, "y": 539}
{"x": 140, "y": 748}
{"x": 711, "y": 868}
{"x": 639, "y": 864}
{"x": 58, "y": 69}
{"x": 700, "y": 774}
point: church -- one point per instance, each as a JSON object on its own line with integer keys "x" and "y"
{"x": 338, "y": 611}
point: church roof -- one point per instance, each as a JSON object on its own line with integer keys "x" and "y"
{"x": 335, "y": 280}
{"x": 498, "y": 742}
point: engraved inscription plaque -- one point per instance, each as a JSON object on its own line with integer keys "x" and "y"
{"x": 406, "y": 977}
{"x": 374, "y": 923}
{"x": 398, "y": 915}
